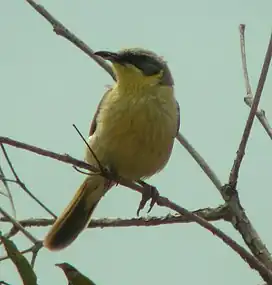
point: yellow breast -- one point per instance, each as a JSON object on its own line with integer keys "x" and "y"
{"x": 136, "y": 130}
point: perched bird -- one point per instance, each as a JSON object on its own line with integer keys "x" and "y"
{"x": 73, "y": 276}
{"x": 132, "y": 134}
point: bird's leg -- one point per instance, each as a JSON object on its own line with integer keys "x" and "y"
{"x": 149, "y": 192}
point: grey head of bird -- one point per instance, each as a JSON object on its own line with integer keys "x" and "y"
{"x": 66, "y": 267}
{"x": 148, "y": 62}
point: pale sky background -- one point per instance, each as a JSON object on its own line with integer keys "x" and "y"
{"x": 47, "y": 84}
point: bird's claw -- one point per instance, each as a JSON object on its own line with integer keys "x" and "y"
{"x": 150, "y": 192}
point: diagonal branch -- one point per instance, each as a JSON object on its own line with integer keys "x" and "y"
{"x": 19, "y": 226}
{"x": 260, "y": 113}
{"x": 22, "y": 185}
{"x": 200, "y": 161}
{"x": 161, "y": 201}
{"x": 34, "y": 249}
{"x": 61, "y": 30}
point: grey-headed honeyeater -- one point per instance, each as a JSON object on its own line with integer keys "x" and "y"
{"x": 73, "y": 276}
{"x": 132, "y": 134}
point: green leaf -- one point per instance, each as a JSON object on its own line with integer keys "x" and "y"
{"x": 24, "y": 268}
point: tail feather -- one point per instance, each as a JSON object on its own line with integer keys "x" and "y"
{"x": 77, "y": 214}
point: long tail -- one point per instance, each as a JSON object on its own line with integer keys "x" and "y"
{"x": 77, "y": 214}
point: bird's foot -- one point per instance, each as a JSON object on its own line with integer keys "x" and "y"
{"x": 150, "y": 192}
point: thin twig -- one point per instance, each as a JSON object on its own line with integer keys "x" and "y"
{"x": 241, "y": 150}
{"x": 34, "y": 249}
{"x": 9, "y": 195}
{"x": 161, "y": 201}
{"x": 61, "y": 30}
{"x": 81, "y": 171}
{"x": 22, "y": 185}
{"x": 43, "y": 152}
{"x": 8, "y": 180}
{"x": 200, "y": 160}
{"x": 19, "y": 226}
{"x": 244, "y": 62}
{"x": 260, "y": 113}
{"x": 2, "y": 258}
{"x": 249, "y": 98}
{"x": 89, "y": 148}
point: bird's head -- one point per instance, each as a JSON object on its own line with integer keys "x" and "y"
{"x": 66, "y": 267}
{"x": 138, "y": 65}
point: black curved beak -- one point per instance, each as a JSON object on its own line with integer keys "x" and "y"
{"x": 107, "y": 55}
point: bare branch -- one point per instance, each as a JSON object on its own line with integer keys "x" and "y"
{"x": 161, "y": 201}
{"x": 19, "y": 226}
{"x": 34, "y": 249}
{"x": 60, "y": 30}
{"x": 241, "y": 150}
{"x": 243, "y": 55}
{"x": 9, "y": 195}
{"x": 260, "y": 113}
{"x": 240, "y": 220}
{"x": 209, "y": 214}
{"x": 200, "y": 160}
{"x": 249, "y": 98}
{"x": 22, "y": 185}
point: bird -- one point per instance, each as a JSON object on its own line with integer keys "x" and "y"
{"x": 73, "y": 276}
{"x": 132, "y": 134}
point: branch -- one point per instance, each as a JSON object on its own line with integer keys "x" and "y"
{"x": 61, "y": 30}
{"x": 161, "y": 201}
{"x": 22, "y": 185}
{"x": 19, "y": 226}
{"x": 240, "y": 221}
{"x": 209, "y": 214}
{"x": 34, "y": 249}
{"x": 241, "y": 150}
{"x": 200, "y": 160}
{"x": 244, "y": 62}
{"x": 260, "y": 113}
{"x": 8, "y": 195}
{"x": 249, "y": 98}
